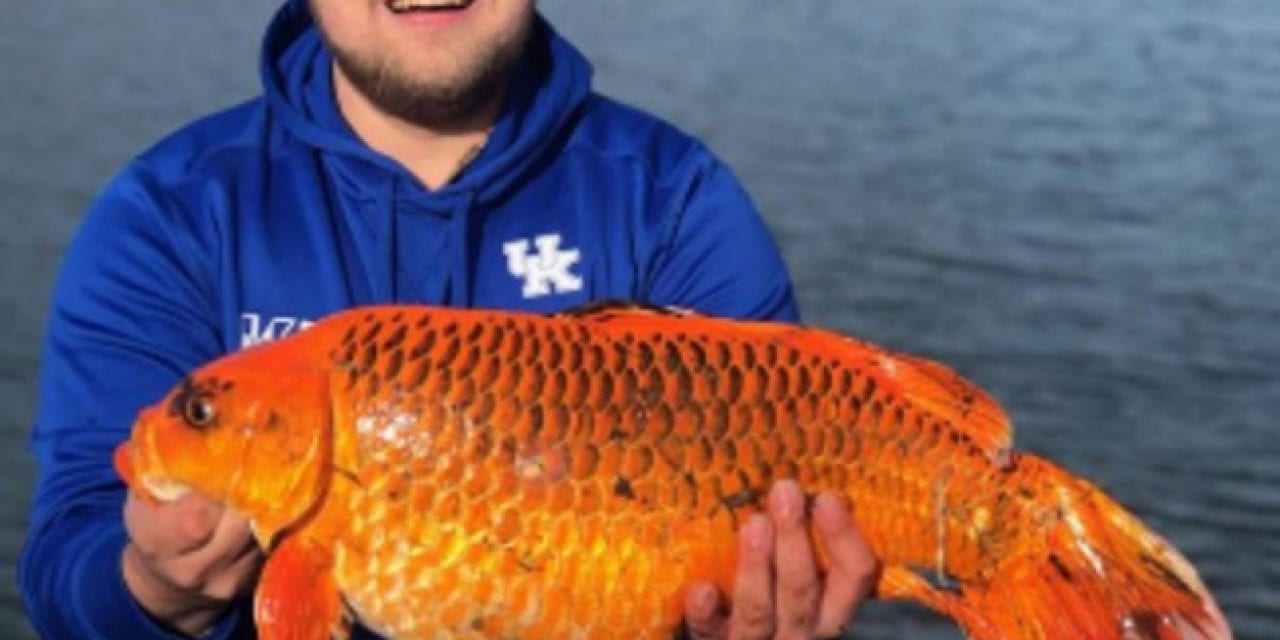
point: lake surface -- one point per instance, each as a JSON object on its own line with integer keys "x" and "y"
{"x": 1075, "y": 204}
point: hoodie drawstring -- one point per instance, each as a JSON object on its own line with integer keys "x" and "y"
{"x": 462, "y": 230}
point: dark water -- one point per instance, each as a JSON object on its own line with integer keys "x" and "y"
{"x": 1075, "y": 204}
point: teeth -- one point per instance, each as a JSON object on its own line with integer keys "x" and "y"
{"x": 408, "y": 5}
{"x": 164, "y": 490}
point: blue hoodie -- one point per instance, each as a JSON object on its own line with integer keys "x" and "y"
{"x": 249, "y": 224}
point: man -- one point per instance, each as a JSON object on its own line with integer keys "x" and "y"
{"x": 404, "y": 150}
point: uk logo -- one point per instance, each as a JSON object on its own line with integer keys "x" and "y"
{"x": 546, "y": 271}
{"x": 254, "y": 330}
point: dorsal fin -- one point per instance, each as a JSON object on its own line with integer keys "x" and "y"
{"x": 617, "y": 307}
{"x": 944, "y": 393}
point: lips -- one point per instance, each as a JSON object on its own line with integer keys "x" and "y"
{"x": 427, "y": 6}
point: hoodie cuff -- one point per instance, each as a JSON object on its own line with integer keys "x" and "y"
{"x": 106, "y": 606}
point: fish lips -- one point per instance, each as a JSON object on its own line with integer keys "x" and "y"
{"x": 151, "y": 486}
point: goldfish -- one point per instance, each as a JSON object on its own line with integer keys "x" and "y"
{"x": 450, "y": 473}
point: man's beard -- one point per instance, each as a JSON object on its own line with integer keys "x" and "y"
{"x": 434, "y": 104}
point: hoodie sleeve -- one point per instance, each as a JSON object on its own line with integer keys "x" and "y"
{"x": 132, "y": 311}
{"x": 716, "y": 255}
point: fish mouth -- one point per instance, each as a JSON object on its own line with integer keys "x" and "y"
{"x": 426, "y": 6}
{"x": 153, "y": 486}
{"x": 163, "y": 489}
{"x": 142, "y": 473}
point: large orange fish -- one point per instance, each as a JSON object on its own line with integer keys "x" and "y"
{"x": 442, "y": 473}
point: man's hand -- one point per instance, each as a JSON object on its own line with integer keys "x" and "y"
{"x": 187, "y": 559}
{"x": 778, "y": 590}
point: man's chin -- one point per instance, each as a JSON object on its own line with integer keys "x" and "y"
{"x": 434, "y": 98}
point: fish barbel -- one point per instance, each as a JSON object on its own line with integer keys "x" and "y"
{"x": 443, "y": 473}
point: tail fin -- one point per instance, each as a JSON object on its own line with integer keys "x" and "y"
{"x": 1098, "y": 574}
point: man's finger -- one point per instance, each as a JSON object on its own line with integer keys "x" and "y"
{"x": 752, "y": 614}
{"x": 230, "y": 542}
{"x": 853, "y": 571}
{"x": 705, "y": 616}
{"x": 230, "y": 548}
{"x": 799, "y": 588}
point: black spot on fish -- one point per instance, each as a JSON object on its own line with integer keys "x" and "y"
{"x": 623, "y": 489}
{"x": 644, "y": 354}
{"x": 723, "y": 355}
{"x": 746, "y": 497}
{"x": 395, "y": 338}
{"x": 697, "y": 355}
{"x": 844, "y": 383}
{"x": 393, "y": 365}
{"x": 735, "y": 384}
{"x": 451, "y": 350}
{"x": 372, "y": 333}
{"x": 802, "y": 382}
{"x": 870, "y": 389}
{"x": 555, "y": 354}
{"x": 424, "y": 345}
{"x": 273, "y": 421}
{"x": 575, "y": 357}
{"x": 771, "y": 354}
{"x": 495, "y": 339}
{"x": 468, "y": 362}
{"x": 783, "y": 381}
{"x": 1061, "y": 568}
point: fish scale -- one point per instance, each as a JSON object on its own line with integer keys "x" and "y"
{"x": 502, "y": 475}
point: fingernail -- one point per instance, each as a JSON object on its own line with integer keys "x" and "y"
{"x": 755, "y": 532}
{"x": 786, "y": 501}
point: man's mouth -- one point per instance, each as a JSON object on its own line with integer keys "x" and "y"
{"x": 427, "y": 6}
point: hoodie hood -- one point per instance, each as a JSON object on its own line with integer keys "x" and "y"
{"x": 549, "y": 84}
{"x": 392, "y": 216}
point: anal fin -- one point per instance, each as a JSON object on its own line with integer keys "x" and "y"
{"x": 901, "y": 583}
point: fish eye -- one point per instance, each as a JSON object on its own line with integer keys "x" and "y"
{"x": 199, "y": 411}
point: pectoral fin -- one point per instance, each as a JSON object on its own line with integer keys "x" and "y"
{"x": 297, "y": 598}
